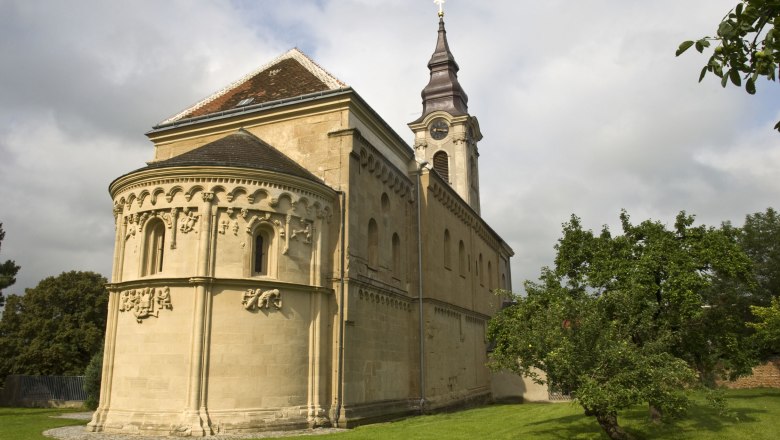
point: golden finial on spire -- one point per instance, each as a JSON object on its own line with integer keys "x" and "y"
{"x": 441, "y": 6}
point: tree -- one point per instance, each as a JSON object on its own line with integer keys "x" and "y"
{"x": 8, "y": 271}
{"x": 767, "y": 327}
{"x": 56, "y": 327}
{"x": 93, "y": 376}
{"x": 748, "y": 45}
{"x": 760, "y": 238}
{"x": 625, "y": 320}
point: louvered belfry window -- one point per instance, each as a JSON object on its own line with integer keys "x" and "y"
{"x": 441, "y": 163}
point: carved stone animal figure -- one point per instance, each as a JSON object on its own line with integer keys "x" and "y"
{"x": 270, "y": 298}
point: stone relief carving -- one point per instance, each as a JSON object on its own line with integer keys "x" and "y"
{"x": 257, "y": 299}
{"x": 145, "y": 302}
{"x": 167, "y": 217}
{"x": 257, "y": 218}
{"x": 142, "y": 221}
{"x": 306, "y": 232}
{"x": 187, "y": 221}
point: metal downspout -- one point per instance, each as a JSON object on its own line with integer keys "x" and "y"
{"x": 340, "y": 361}
{"x": 420, "y": 167}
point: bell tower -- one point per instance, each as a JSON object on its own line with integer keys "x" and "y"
{"x": 445, "y": 135}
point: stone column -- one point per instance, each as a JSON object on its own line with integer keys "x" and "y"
{"x": 195, "y": 423}
{"x": 119, "y": 225}
{"x": 99, "y": 417}
{"x": 317, "y": 416}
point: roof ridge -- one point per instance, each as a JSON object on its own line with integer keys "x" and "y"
{"x": 315, "y": 69}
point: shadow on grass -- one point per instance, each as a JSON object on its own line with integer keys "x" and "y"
{"x": 566, "y": 427}
{"x": 701, "y": 418}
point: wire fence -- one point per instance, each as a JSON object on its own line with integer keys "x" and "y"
{"x": 41, "y": 390}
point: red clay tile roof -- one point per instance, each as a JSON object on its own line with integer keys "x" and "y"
{"x": 290, "y": 75}
{"x": 241, "y": 149}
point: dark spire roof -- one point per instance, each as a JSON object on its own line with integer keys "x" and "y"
{"x": 443, "y": 91}
{"x": 241, "y": 149}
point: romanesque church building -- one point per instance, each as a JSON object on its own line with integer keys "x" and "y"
{"x": 286, "y": 260}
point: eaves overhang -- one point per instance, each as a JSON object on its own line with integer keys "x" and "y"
{"x": 145, "y": 176}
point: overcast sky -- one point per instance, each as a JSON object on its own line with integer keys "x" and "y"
{"x": 583, "y": 106}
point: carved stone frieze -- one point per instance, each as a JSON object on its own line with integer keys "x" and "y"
{"x": 306, "y": 232}
{"x": 187, "y": 221}
{"x": 256, "y": 299}
{"x": 265, "y": 217}
{"x": 145, "y": 302}
{"x": 167, "y": 217}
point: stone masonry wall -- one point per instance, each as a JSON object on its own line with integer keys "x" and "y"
{"x": 766, "y": 375}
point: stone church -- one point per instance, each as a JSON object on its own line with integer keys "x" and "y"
{"x": 286, "y": 260}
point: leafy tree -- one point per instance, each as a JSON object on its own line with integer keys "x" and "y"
{"x": 8, "y": 271}
{"x": 767, "y": 326}
{"x": 627, "y": 319}
{"x": 56, "y": 327}
{"x": 760, "y": 238}
{"x": 748, "y": 45}
{"x": 92, "y": 378}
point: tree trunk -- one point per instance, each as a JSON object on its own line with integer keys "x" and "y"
{"x": 655, "y": 414}
{"x": 609, "y": 423}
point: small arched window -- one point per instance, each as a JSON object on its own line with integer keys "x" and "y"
{"x": 385, "y": 204}
{"x": 261, "y": 251}
{"x": 447, "y": 250}
{"x": 441, "y": 163}
{"x": 490, "y": 276}
{"x": 154, "y": 247}
{"x": 462, "y": 258}
{"x": 397, "y": 255}
{"x": 481, "y": 272}
{"x": 473, "y": 176}
{"x": 373, "y": 244}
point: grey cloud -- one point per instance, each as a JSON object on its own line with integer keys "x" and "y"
{"x": 584, "y": 107}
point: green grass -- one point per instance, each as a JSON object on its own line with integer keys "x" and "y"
{"x": 754, "y": 414}
{"x": 29, "y": 423}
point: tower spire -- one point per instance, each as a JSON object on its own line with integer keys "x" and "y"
{"x": 443, "y": 91}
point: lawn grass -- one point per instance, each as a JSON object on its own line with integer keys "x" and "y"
{"x": 29, "y": 423}
{"x": 754, "y": 414}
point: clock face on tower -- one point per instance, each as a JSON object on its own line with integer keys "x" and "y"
{"x": 439, "y": 129}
